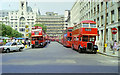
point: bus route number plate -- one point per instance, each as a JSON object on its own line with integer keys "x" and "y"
{"x": 87, "y": 29}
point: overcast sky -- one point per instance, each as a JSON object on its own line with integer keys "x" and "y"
{"x": 58, "y": 6}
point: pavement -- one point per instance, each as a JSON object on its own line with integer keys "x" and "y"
{"x": 109, "y": 52}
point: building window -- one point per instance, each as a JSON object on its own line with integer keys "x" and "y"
{"x": 102, "y": 20}
{"x": 94, "y": 10}
{"x": 95, "y": 20}
{"x": 11, "y": 16}
{"x": 98, "y": 22}
{"x": 101, "y": 6}
{"x": 22, "y": 13}
{"x": 32, "y": 22}
{"x": 22, "y": 29}
{"x": 97, "y": 9}
{"x": 22, "y": 34}
{"x": 11, "y": 22}
{"x": 119, "y": 14}
{"x": 112, "y": 2}
{"x": 91, "y": 13}
{"x": 112, "y": 16}
{"x": 107, "y": 18}
{"x": 16, "y": 26}
{"x": 107, "y": 4}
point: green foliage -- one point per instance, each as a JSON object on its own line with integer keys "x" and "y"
{"x": 43, "y": 26}
{"x": 8, "y": 31}
{"x": 29, "y": 35}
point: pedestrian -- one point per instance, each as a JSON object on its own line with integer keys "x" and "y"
{"x": 114, "y": 46}
{"x": 29, "y": 42}
{"x": 111, "y": 45}
{"x": 23, "y": 42}
{"x": 118, "y": 46}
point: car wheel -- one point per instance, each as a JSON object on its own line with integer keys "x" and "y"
{"x": 20, "y": 49}
{"x": 7, "y": 50}
{"x": 32, "y": 46}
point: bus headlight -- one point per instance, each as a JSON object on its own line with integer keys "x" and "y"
{"x": 95, "y": 46}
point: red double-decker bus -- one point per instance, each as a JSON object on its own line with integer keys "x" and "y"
{"x": 67, "y": 37}
{"x": 84, "y": 36}
{"x": 38, "y": 38}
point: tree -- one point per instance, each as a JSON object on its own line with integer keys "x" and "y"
{"x": 7, "y": 30}
{"x": 43, "y": 26}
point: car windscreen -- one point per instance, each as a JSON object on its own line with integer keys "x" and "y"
{"x": 18, "y": 43}
{"x": 8, "y": 44}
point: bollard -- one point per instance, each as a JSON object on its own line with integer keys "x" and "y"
{"x": 25, "y": 46}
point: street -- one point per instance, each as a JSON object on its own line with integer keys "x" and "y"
{"x": 54, "y": 58}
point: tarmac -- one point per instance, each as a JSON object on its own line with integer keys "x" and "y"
{"x": 100, "y": 51}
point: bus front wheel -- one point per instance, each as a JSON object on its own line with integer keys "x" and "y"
{"x": 32, "y": 46}
{"x": 79, "y": 50}
{"x": 73, "y": 47}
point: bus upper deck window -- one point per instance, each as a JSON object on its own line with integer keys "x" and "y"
{"x": 85, "y": 24}
{"x": 93, "y": 25}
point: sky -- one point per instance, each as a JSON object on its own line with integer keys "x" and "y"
{"x": 57, "y": 6}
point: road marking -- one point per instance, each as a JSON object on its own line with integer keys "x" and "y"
{"x": 65, "y": 61}
{"x": 37, "y": 62}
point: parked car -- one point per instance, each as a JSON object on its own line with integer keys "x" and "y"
{"x": 12, "y": 46}
{"x": 1, "y": 42}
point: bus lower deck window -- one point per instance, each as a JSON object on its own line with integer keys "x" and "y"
{"x": 85, "y": 38}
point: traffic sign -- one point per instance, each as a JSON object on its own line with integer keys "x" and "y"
{"x": 26, "y": 26}
{"x": 27, "y": 35}
{"x": 114, "y": 30}
{"x": 27, "y": 30}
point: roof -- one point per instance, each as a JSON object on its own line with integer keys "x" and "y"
{"x": 88, "y": 21}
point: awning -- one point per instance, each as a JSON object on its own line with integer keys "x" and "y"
{"x": 19, "y": 38}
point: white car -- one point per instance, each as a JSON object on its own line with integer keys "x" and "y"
{"x": 12, "y": 46}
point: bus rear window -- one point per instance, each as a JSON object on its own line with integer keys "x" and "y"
{"x": 85, "y": 38}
